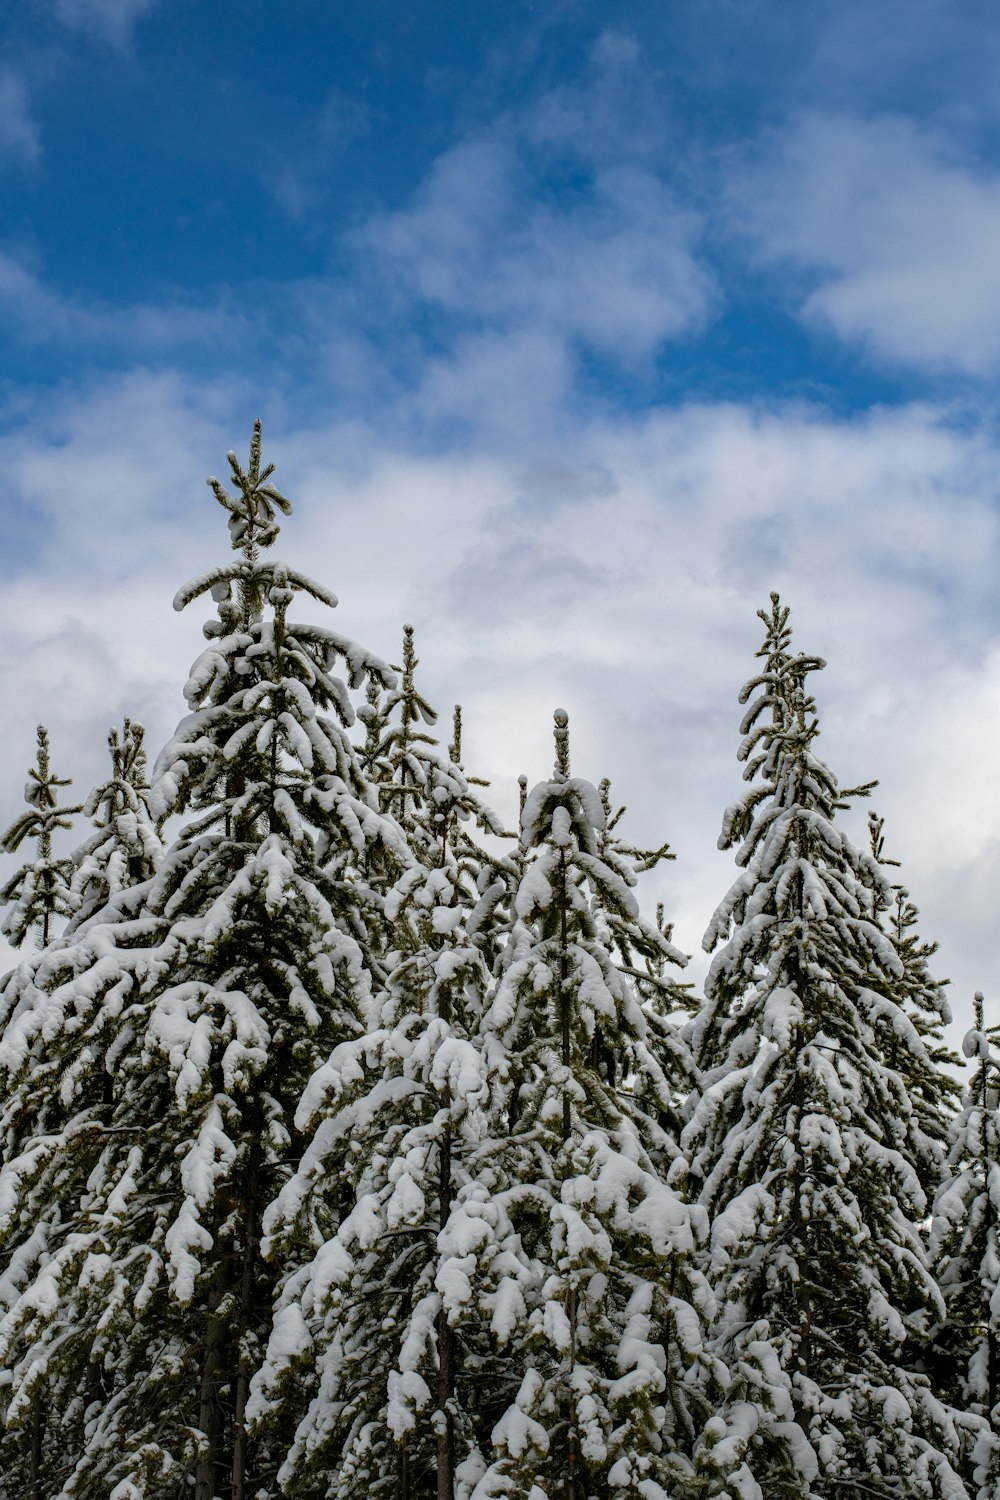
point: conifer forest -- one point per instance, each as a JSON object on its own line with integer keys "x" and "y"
{"x": 355, "y": 1145}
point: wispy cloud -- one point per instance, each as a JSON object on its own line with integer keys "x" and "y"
{"x": 613, "y": 269}
{"x": 112, "y": 21}
{"x": 38, "y": 313}
{"x": 540, "y": 241}
{"x": 296, "y": 175}
{"x": 892, "y": 231}
{"x": 20, "y": 142}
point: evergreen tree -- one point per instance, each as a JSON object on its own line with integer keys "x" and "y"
{"x": 601, "y": 1399}
{"x": 407, "y": 750}
{"x": 381, "y": 1326}
{"x": 931, "y": 1085}
{"x": 373, "y": 754}
{"x": 124, "y": 850}
{"x": 966, "y": 1248}
{"x": 39, "y": 890}
{"x": 645, "y": 956}
{"x": 204, "y": 1006}
{"x": 803, "y": 1142}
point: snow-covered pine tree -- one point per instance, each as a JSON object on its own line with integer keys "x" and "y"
{"x": 208, "y": 1007}
{"x": 119, "y": 855}
{"x": 645, "y": 955}
{"x": 601, "y": 1399}
{"x": 404, "y": 790}
{"x": 124, "y": 849}
{"x": 931, "y": 1083}
{"x": 965, "y": 1246}
{"x": 372, "y": 754}
{"x": 38, "y": 892}
{"x": 41, "y": 897}
{"x": 415, "y": 783}
{"x": 387, "y": 1326}
{"x": 393, "y": 753}
{"x": 803, "y": 1142}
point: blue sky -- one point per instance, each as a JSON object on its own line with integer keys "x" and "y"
{"x": 575, "y": 329}
{"x": 192, "y": 186}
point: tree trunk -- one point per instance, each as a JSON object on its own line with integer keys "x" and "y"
{"x": 563, "y": 997}
{"x": 241, "y": 1481}
{"x": 210, "y": 1415}
{"x": 992, "y": 1352}
{"x": 803, "y": 1300}
{"x": 572, "y": 1455}
{"x": 37, "y": 1443}
{"x": 446, "y": 1349}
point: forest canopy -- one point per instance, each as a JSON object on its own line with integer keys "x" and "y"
{"x": 354, "y": 1144}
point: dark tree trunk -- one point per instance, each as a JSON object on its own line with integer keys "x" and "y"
{"x": 563, "y": 997}
{"x": 210, "y": 1414}
{"x": 242, "y": 1484}
{"x": 446, "y": 1349}
{"x": 572, "y": 1454}
{"x": 992, "y": 1352}
{"x": 800, "y": 1229}
{"x": 37, "y": 1444}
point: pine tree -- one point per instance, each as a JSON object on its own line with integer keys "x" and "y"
{"x": 927, "y": 1071}
{"x": 966, "y": 1249}
{"x": 405, "y": 789}
{"x": 122, "y": 851}
{"x": 40, "y": 895}
{"x": 645, "y": 955}
{"x": 382, "y": 1326}
{"x": 125, "y": 848}
{"x": 601, "y": 1399}
{"x": 206, "y": 1006}
{"x": 39, "y": 890}
{"x": 803, "y": 1142}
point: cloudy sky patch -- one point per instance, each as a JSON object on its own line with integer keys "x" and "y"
{"x": 573, "y": 336}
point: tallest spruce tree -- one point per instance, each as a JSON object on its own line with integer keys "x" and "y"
{"x": 152, "y": 1061}
{"x": 805, "y": 1146}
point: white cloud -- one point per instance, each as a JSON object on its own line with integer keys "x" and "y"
{"x": 614, "y": 570}
{"x": 19, "y": 138}
{"x": 894, "y": 232}
{"x": 617, "y": 112}
{"x": 110, "y": 20}
{"x": 552, "y": 226}
{"x": 40, "y": 314}
{"x": 613, "y": 269}
{"x": 532, "y": 245}
{"x": 505, "y": 385}
{"x": 296, "y": 178}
